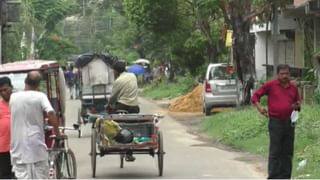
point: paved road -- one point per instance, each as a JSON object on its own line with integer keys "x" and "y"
{"x": 186, "y": 157}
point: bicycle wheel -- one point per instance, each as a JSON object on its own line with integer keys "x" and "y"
{"x": 93, "y": 152}
{"x": 66, "y": 165}
{"x": 71, "y": 164}
{"x": 121, "y": 160}
{"x": 160, "y": 153}
{"x": 80, "y": 122}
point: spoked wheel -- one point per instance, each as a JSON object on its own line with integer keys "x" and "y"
{"x": 71, "y": 165}
{"x": 93, "y": 152}
{"x": 80, "y": 122}
{"x": 160, "y": 153}
{"x": 66, "y": 165}
{"x": 121, "y": 160}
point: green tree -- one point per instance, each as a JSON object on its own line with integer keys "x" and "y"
{"x": 186, "y": 33}
{"x": 239, "y": 15}
{"x": 41, "y": 18}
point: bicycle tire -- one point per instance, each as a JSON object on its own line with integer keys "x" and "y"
{"x": 66, "y": 165}
{"x": 71, "y": 164}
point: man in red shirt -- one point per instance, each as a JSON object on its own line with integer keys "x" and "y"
{"x": 283, "y": 98}
{"x": 5, "y": 163}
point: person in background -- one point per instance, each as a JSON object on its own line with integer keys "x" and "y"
{"x": 5, "y": 163}
{"x": 29, "y": 156}
{"x": 76, "y": 82}
{"x": 70, "y": 80}
{"x": 283, "y": 99}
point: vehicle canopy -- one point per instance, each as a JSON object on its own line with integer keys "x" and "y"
{"x": 95, "y": 73}
{"x": 52, "y": 84}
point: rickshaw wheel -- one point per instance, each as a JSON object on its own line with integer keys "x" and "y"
{"x": 160, "y": 153}
{"x": 93, "y": 152}
{"x": 121, "y": 160}
{"x": 80, "y": 122}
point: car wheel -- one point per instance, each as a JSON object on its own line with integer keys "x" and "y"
{"x": 207, "y": 110}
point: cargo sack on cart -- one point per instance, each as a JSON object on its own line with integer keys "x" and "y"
{"x": 109, "y": 130}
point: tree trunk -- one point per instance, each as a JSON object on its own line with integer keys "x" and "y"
{"x": 243, "y": 49}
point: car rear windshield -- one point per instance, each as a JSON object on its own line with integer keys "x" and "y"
{"x": 221, "y": 73}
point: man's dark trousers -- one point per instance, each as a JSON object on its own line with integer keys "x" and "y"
{"x": 281, "y": 135}
{"x": 5, "y": 166}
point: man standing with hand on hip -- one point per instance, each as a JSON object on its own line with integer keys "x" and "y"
{"x": 29, "y": 156}
{"x": 283, "y": 99}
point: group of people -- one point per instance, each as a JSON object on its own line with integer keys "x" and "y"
{"x": 23, "y": 152}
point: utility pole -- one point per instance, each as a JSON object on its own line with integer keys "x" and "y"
{"x": 275, "y": 35}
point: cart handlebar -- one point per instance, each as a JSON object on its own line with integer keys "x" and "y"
{"x": 47, "y": 127}
{"x": 124, "y": 115}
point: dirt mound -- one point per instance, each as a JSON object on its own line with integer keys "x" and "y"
{"x": 191, "y": 102}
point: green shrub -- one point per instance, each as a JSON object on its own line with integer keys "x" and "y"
{"x": 165, "y": 89}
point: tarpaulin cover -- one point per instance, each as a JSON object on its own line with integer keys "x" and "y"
{"x": 84, "y": 59}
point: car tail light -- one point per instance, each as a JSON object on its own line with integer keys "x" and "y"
{"x": 208, "y": 87}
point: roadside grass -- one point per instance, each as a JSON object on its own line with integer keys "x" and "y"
{"x": 168, "y": 90}
{"x": 246, "y": 130}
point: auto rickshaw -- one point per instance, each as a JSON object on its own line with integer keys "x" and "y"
{"x": 52, "y": 84}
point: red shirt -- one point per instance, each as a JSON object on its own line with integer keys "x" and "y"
{"x": 4, "y": 126}
{"x": 280, "y": 99}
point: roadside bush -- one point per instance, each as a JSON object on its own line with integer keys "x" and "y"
{"x": 165, "y": 89}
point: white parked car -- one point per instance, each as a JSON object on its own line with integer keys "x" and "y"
{"x": 220, "y": 87}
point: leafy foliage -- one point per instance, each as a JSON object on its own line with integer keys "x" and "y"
{"x": 55, "y": 47}
{"x": 159, "y": 16}
{"x": 51, "y": 12}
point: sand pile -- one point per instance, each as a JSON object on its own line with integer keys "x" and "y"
{"x": 191, "y": 102}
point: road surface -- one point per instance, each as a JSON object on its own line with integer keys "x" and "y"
{"x": 186, "y": 157}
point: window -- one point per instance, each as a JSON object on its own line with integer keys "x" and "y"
{"x": 221, "y": 73}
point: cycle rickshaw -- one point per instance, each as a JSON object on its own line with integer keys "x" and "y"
{"x": 53, "y": 85}
{"x": 141, "y": 135}
{"x": 95, "y": 78}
